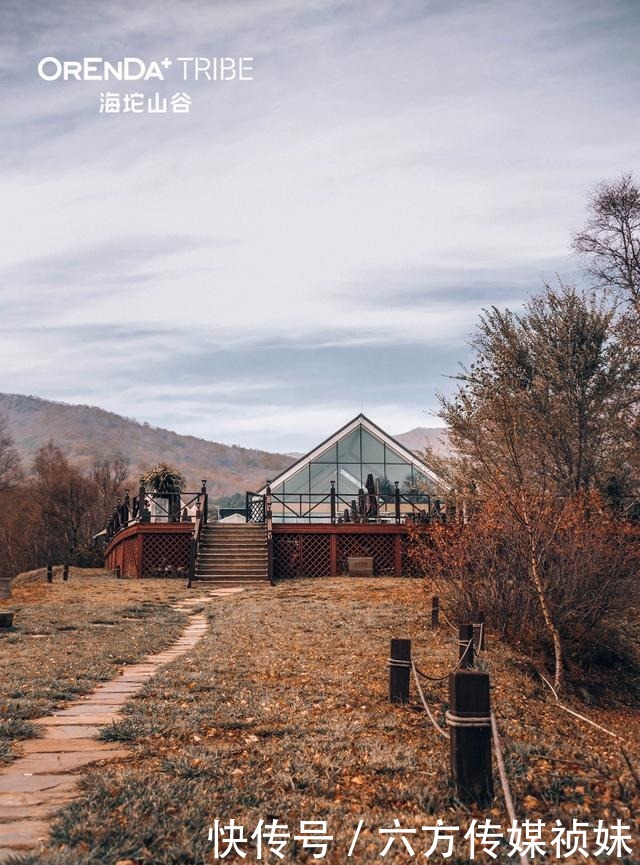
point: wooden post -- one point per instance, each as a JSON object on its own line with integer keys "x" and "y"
{"x": 193, "y": 551}
{"x": 333, "y": 555}
{"x": 333, "y": 501}
{"x": 397, "y": 555}
{"x": 49, "y": 573}
{"x": 205, "y": 501}
{"x": 65, "y": 572}
{"x": 268, "y": 517}
{"x": 396, "y": 498}
{"x": 435, "y": 612}
{"x": 399, "y": 671}
{"x": 469, "y": 721}
{"x": 465, "y": 646}
{"x": 144, "y": 514}
{"x": 478, "y": 633}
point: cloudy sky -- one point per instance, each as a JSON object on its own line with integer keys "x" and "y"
{"x": 311, "y": 243}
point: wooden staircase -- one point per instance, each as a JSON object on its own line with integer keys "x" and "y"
{"x": 232, "y": 554}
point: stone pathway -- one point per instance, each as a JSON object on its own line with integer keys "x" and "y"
{"x": 38, "y": 784}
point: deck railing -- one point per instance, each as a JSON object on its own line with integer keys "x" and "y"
{"x": 331, "y": 507}
{"x": 153, "y": 507}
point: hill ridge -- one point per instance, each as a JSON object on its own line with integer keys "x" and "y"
{"x": 87, "y": 433}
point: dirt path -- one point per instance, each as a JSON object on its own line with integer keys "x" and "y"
{"x": 41, "y": 782}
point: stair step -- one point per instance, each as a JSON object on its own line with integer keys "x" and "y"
{"x": 220, "y": 581}
{"x": 234, "y": 566}
{"x": 234, "y": 554}
{"x": 231, "y": 563}
{"x": 225, "y": 566}
{"x": 230, "y": 571}
{"x": 232, "y": 545}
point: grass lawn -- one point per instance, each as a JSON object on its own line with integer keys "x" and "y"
{"x": 69, "y": 636}
{"x": 281, "y": 712}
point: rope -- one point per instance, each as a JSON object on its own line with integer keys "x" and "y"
{"x": 464, "y": 654}
{"x": 578, "y": 715}
{"x": 424, "y": 703}
{"x": 467, "y": 720}
{"x": 446, "y": 675}
{"x": 431, "y": 678}
{"x": 396, "y": 662}
{"x": 453, "y": 627}
{"x": 504, "y": 781}
{"x": 481, "y": 637}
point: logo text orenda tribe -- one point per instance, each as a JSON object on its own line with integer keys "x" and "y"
{"x": 135, "y": 69}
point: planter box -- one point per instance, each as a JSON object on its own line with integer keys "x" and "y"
{"x": 360, "y": 567}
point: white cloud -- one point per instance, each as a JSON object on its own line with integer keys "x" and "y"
{"x": 429, "y": 141}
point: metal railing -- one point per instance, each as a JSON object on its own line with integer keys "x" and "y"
{"x": 153, "y": 507}
{"x": 330, "y": 507}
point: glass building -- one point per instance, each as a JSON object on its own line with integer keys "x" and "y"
{"x": 358, "y": 459}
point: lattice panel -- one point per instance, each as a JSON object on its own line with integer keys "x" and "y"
{"x": 301, "y": 556}
{"x": 409, "y": 567}
{"x": 166, "y": 555}
{"x": 286, "y": 557}
{"x": 380, "y": 547}
{"x": 130, "y": 564}
{"x": 255, "y": 513}
{"x": 126, "y": 555}
{"x": 316, "y": 555}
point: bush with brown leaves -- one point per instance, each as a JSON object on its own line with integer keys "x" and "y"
{"x": 589, "y": 562}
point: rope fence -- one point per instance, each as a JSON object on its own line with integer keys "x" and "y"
{"x": 429, "y": 714}
{"x": 471, "y": 725}
{"x": 504, "y": 780}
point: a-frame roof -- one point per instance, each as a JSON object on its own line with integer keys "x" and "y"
{"x": 367, "y": 424}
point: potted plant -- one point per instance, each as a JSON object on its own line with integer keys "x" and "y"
{"x": 165, "y": 481}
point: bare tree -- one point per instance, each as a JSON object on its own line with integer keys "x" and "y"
{"x": 65, "y": 500}
{"x": 10, "y": 464}
{"x": 610, "y": 246}
{"x": 610, "y": 240}
{"x": 108, "y": 478}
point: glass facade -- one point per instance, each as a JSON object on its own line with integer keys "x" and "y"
{"x": 305, "y": 495}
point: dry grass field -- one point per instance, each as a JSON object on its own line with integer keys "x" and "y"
{"x": 281, "y": 711}
{"x": 69, "y": 636}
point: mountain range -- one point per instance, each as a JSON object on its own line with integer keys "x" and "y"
{"x": 87, "y": 433}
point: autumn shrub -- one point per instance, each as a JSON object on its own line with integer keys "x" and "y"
{"x": 589, "y": 562}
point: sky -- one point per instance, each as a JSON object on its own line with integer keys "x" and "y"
{"x": 311, "y": 243}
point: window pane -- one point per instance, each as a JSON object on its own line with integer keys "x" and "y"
{"x": 422, "y": 482}
{"x": 400, "y": 473}
{"x": 349, "y": 478}
{"x": 392, "y": 456}
{"x": 329, "y": 456}
{"x": 349, "y": 447}
{"x": 375, "y": 469}
{"x": 321, "y": 476}
{"x": 299, "y": 483}
{"x": 372, "y": 449}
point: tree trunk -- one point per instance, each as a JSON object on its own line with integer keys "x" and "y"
{"x": 542, "y": 597}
